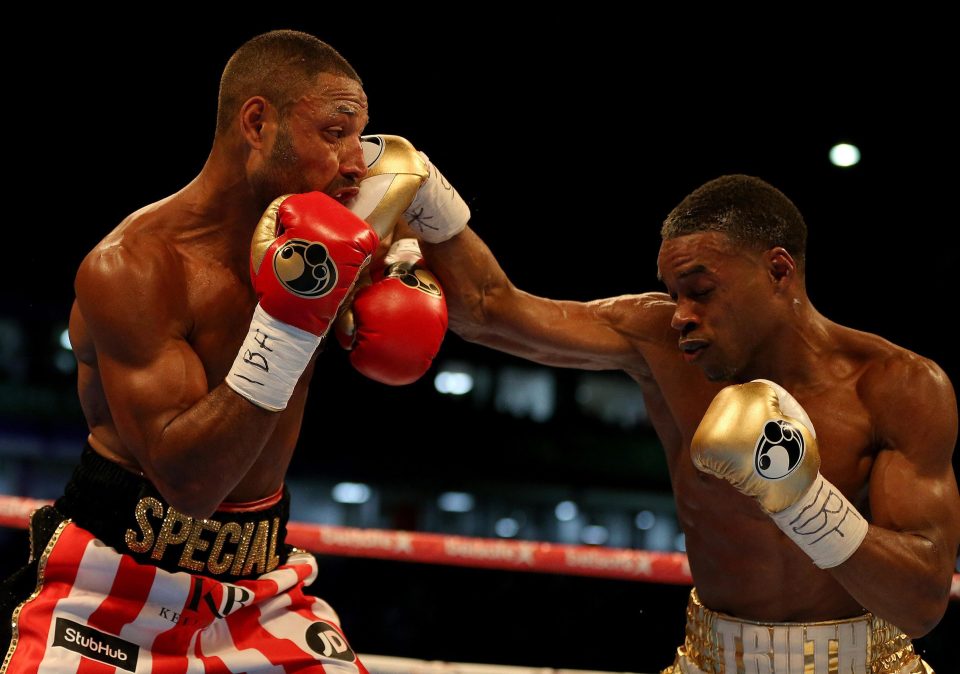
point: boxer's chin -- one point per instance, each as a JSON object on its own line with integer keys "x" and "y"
{"x": 717, "y": 372}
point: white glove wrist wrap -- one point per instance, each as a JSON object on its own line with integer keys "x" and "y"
{"x": 824, "y": 524}
{"x": 270, "y": 361}
{"x": 438, "y": 212}
{"x": 403, "y": 250}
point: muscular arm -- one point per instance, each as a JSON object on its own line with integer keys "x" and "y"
{"x": 903, "y": 568}
{"x": 629, "y": 332}
{"x": 193, "y": 445}
{"x": 485, "y": 307}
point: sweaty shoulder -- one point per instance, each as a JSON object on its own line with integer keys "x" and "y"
{"x": 133, "y": 282}
{"x": 642, "y": 323}
{"x": 642, "y": 318}
{"x": 906, "y": 394}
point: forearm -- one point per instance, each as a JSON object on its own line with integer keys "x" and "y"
{"x": 200, "y": 455}
{"x": 486, "y": 308}
{"x": 483, "y": 305}
{"x": 903, "y": 578}
{"x": 470, "y": 276}
{"x": 480, "y": 298}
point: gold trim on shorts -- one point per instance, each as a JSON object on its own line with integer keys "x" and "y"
{"x": 41, "y": 570}
{"x": 716, "y": 643}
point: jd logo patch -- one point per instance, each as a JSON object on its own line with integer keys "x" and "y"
{"x": 324, "y": 638}
{"x": 96, "y": 645}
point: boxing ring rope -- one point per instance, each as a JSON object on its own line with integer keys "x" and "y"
{"x": 540, "y": 557}
{"x": 579, "y": 560}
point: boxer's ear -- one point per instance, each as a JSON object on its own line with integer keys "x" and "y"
{"x": 781, "y": 264}
{"x": 253, "y": 118}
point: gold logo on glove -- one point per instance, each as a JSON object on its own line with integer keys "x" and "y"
{"x": 414, "y": 277}
{"x": 305, "y": 268}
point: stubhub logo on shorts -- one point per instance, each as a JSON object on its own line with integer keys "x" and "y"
{"x": 96, "y": 645}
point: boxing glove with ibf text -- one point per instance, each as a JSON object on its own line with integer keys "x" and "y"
{"x": 305, "y": 257}
{"x": 757, "y": 437}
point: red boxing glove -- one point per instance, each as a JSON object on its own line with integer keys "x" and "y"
{"x": 306, "y": 255}
{"x": 399, "y": 320}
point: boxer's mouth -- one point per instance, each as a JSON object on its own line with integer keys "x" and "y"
{"x": 692, "y": 348}
{"x": 346, "y": 194}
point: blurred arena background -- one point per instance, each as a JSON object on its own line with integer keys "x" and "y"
{"x": 571, "y": 137}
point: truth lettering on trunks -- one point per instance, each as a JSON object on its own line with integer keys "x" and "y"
{"x": 817, "y": 649}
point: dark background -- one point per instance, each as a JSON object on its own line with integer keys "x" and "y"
{"x": 571, "y": 136}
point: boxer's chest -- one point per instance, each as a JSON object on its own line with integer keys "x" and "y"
{"x": 846, "y": 442}
{"x": 845, "y": 437}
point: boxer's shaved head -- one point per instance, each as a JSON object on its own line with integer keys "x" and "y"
{"x": 280, "y": 66}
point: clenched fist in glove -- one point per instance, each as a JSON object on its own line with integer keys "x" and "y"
{"x": 398, "y": 321}
{"x": 758, "y": 438}
{"x": 306, "y": 255}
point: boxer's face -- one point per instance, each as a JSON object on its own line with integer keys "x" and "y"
{"x": 314, "y": 144}
{"x": 723, "y": 301}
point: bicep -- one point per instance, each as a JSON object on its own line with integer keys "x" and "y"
{"x": 148, "y": 371}
{"x": 910, "y": 498}
{"x": 147, "y": 392}
{"x": 913, "y": 488}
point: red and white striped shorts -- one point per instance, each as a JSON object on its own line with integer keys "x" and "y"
{"x": 99, "y": 611}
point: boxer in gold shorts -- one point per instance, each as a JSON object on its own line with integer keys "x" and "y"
{"x": 810, "y": 462}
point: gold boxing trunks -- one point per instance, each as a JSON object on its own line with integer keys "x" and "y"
{"x": 716, "y": 643}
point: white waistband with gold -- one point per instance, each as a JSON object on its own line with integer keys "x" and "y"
{"x": 720, "y": 644}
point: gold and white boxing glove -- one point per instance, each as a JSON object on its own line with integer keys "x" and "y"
{"x": 402, "y": 181}
{"x": 395, "y": 173}
{"x": 437, "y": 213}
{"x": 757, "y": 437}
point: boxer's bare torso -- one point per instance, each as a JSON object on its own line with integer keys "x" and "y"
{"x": 165, "y": 300}
{"x": 180, "y": 280}
{"x": 743, "y": 564}
{"x": 885, "y": 418}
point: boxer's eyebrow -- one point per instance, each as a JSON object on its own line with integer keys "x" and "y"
{"x": 351, "y": 111}
{"x": 696, "y": 269}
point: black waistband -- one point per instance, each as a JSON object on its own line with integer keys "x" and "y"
{"x": 127, "y": 512}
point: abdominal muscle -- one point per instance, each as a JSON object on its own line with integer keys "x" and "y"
{"x": 743, "y": 565}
